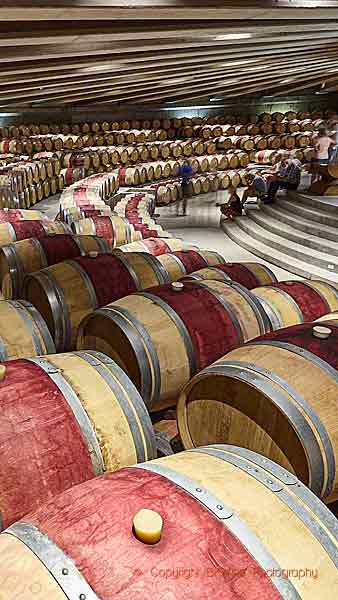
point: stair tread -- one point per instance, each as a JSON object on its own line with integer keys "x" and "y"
{"x": 290, "y": 244}
{"x": 327, "y": 202}
{"x": 277, "y": 257}
{"x": 306, "y": 210}
{"x": 278, "y": 211}
{"x": 262, "y": 218}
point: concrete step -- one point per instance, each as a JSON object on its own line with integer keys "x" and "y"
{"x": 306, "y": 212}
{"x": 326, "y": 203}
{"x": 264, "y": 250}
{"x": 297, "y": 222}
{"x": 293, "y": 249}
{"x": 288, "y": 232}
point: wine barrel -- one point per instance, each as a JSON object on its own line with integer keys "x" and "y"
{"x": 228, "y": 504}
{"x": 278, "y": 396}
{"x": 21, "y": 230}
{"x": 266, "y": 156}
{"x": 20, "y": 258}
{"x": 115, "y": 230}
{"x": 129, "y": 176}
{"x": 250, "y": 275}
{"x": 161, "y": 337}
{"x": 85, "y": 418}
{"x": 292, "y": 302}
{"x": 67, "y": 292}
{"x": 76, "y": 213}
{"x": 181, "y": 262}
{"x": 244, "y": 142}
{"x": 156, "y": 246}
{"x": 11, "y": 215}
{"x": 23, "y": 331}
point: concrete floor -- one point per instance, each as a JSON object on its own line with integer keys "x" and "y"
{"x": 201, "y": 226}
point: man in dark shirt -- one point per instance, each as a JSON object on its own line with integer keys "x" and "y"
{"x": 257, "y": 187}
{"x": 288, "y": 178}
{"x": 186, "y": 172}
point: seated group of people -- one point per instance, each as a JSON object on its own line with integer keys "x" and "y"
{"x": 284, "y": 175}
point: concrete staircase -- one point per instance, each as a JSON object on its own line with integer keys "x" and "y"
{"x": 298, "y": 232}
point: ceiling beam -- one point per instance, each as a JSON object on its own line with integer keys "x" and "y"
{"x": 54, "y": 10}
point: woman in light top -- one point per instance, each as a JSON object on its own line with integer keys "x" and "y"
{"x": 322, "y": 145}
{"x": 321, "y": 152}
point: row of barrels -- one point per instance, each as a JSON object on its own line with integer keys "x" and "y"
{"x": 34, "y": 169}
{"x": 263, "y": 142}
{"x": 169, "y": 192}
{"x": 51, "y": 142}
{"x": 76, "y": 283}
{"x": 93, "y": 189}
{"x": 289, "y": 132}
{"x": 155, "y": 124}
{"x": 131, "y": 220}
{"x": 145, "y": 172}
{"x": 231, "y": 315}
{"x": 30, "y": 195}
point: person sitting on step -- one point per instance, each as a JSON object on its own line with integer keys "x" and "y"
{"x": 257, "y": 187}
{"x": 232, "y": 208}
{"x": 287, "y": 178}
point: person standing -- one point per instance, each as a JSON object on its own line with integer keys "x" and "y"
{"x": 186, "y": 172}
{"x": 323, "y": 145}
{"x": 287, "y": 178}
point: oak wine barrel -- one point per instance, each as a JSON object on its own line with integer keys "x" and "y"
{"x": 230, "y": 505}
{"x": 20, "y": 258}
{"x": 163, "y": 336}
{"x": 11, "y": 215}
{"x": 80, "y": 417}
{"x": 114, "y": 229}
{"x": 156, "y": 246}
{"x": 76, "y": 213}
{"x": 276, "y": 395}
{"x": 291, "y": 302}
{"x": 23, "y": 331}
{"x": 250, "y": 275}
{"x": 20, "y": 230}
{"x": 179, "y": 263}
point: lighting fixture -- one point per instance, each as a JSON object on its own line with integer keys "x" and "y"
{"x": 233, "y": 36}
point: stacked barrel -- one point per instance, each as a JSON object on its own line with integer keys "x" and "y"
{"x": 25, "y": 181}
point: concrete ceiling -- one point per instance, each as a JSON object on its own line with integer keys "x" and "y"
{"x": 87, "y": 52}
